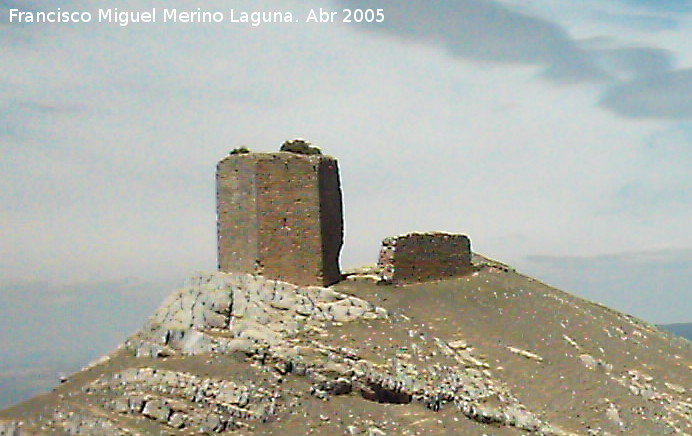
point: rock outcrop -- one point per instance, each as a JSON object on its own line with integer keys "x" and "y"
{"x": 226, "y": 312}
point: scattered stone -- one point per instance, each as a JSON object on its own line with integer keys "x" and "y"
{"x": 593, "y": 363}
{"x": 614, "y": 415}
{"x": 376, "y": 431}
{"x": 676, "y": 388}
{"x": 524, "y": 353}
{"x": 121, "y": 405}
{"x": 157, "y": 409}
{"x": 10, "y": 428}
{"x": 177, "y": 420}
{"x": 458, "y": 345}
{"x": 352, "y": 430}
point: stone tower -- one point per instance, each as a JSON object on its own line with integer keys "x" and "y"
{"x": 280, "y": 215}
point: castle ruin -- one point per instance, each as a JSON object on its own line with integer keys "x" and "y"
{"x": 422, "y": 257}
{"x": 280, "y": 214}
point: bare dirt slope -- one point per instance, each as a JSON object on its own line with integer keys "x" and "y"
{"x": 495, "y": 353}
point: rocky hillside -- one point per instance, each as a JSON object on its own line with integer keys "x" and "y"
{"x": 495, "y": 352}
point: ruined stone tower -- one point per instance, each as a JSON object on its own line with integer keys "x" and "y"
{"x": 280, "y": 215}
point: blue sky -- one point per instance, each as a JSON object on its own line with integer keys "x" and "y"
{"x": 557, "y": 134}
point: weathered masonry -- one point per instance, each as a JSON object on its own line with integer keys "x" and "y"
{"x": 422, "y": 257}
{"x": 280, "y": 216}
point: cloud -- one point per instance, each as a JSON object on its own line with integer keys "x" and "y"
{"x": 665, "y": 95}
{"x": 491, "y": 31}
{"x": 638, "y": 80}
{"x": 488, "y": 31}
{"x": 634, "y": 62}
{"x": 662, "y": 5}
{"x": 637, "y": 21}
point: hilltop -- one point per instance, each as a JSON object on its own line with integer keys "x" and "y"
{"x": 493, "y": 352}
{"x": 434, "y": 339}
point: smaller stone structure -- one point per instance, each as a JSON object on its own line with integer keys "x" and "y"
{"x": 423, "y": 257}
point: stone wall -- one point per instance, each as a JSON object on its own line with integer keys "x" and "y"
{"x": 422, "y": 257}
{"x": 280, "y": 215}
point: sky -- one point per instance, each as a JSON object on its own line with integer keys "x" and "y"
{"x": 556, "y": 134}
